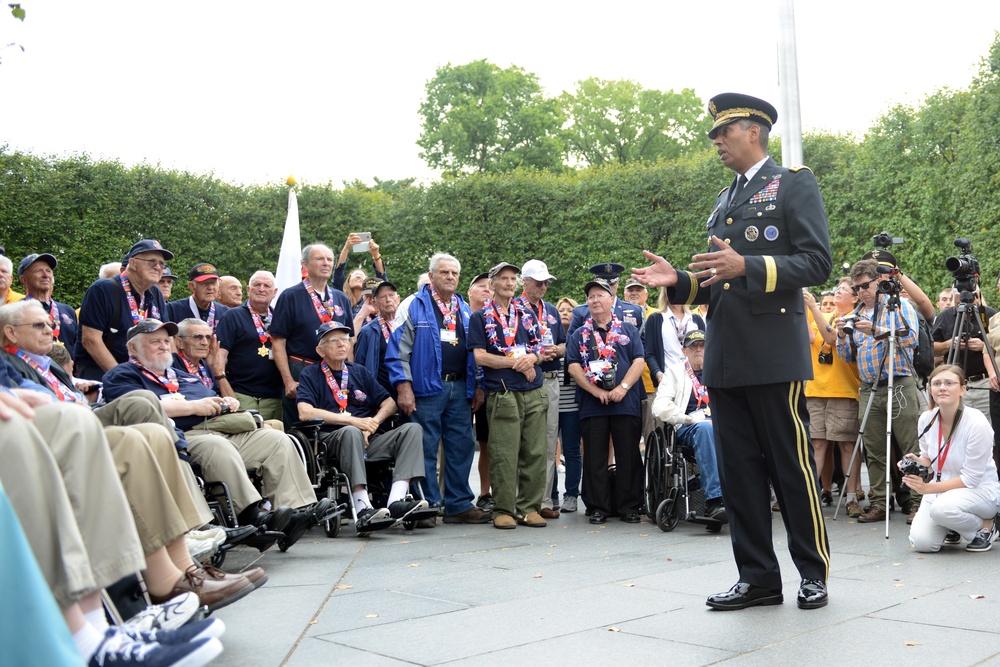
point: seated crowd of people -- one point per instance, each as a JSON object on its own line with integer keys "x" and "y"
{"x": 104, "y": 412}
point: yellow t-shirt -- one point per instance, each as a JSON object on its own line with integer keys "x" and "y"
{"x": 837, "y": 380}
{"x": 12, "y": 297}
{"x": 647, "y": 380}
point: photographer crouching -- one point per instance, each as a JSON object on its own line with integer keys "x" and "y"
{"x": 863, "y": 337}
{"x": 954, "y": 470}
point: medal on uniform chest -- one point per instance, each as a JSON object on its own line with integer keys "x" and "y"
{"x": 263, "y": 351}
{"x": 751, "y": 233}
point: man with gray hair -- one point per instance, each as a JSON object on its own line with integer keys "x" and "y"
{"x": 245, "y": 351}
{"x": 7, "y": 295}
{"x": 434, "y": 374}
{"x": 299, "y": 312}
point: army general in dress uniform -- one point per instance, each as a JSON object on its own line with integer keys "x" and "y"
{"x": 767, "y": 240}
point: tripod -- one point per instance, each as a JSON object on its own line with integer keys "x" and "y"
{"x": 886, "y": 361}
{"x": 966, "y": 312}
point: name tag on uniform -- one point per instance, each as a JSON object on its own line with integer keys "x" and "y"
{"x": 448, "y": 336}
{"x": 547, "y": 338}
{"x": 516, "y": 351}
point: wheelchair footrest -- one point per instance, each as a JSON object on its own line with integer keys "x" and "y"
{"x": 376, "y": 524}
{"x": 263, "y": 540}
{"x": 420, "y": 515}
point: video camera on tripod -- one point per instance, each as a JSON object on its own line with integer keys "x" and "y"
{"x": 965, "y": 270}
{"x": 890, "y": 284}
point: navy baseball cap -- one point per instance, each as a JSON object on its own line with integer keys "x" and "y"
{"x": 329, "y": 327}
{"x": 148, "y": 245}
{"x": 599, "y": 282}
{"x": 36, "y": 257}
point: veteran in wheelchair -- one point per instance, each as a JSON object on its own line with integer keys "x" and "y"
{"x": 346, "y": 397}
{"x": 682, "y": 404}
{"x": 224, "y": 451}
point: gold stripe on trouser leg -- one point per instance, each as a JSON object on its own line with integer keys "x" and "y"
{"x": 802, "y": 449}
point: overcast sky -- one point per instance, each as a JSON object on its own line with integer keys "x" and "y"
{"x": 327, "y": 91}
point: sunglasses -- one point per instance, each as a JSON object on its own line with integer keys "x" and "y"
{"x": 857, "y": 288}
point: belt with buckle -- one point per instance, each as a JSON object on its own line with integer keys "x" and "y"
{"x": 977, "y": 378}
{"x": 550, "y": 374}
{"x": 885, "y": 381}
{"x": 453, "y": 377}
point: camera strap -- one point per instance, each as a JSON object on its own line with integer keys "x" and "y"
{"x": 943, "y": 450}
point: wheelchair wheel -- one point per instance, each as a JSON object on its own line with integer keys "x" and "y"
{"x": 667, "y": 516}
{"x": 656, "y": 486}
{"x": 332, "y": 526}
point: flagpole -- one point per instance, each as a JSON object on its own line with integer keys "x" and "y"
{"x": 289, "y": 271}
{"x": 788, "y": 85}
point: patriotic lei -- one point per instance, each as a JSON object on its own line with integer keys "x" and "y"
{"x": 509, "y": 326}
{"x": 133, "y": 308}
{"x": 339, "y": 393}
{"x": 62, "y": 392}
{"x": 605, "y": 350}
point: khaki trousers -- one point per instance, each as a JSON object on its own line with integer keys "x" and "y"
{"x": 551, "y": 388}
{"x": 226, "y": 458}
{"x": 61, "y": 480}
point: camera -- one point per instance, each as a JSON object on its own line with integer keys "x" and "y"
{"x": 885, "y": 240}
{"x": 608, "y": 379}
{"x": 965, "y": 270}
{"x": 911, "y": 467}
{"x": 825, "y": 357}
{"x": 849, "y": 321}
{"x": 224, "y": 409}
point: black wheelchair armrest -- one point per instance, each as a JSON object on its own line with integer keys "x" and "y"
{"x": 308, "y": 425}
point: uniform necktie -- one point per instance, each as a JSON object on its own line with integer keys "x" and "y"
{"x": 740, "y": 184}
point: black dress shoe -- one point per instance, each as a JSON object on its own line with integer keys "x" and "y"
{"x": 631, "y": 517}
{"x": 812, "y": 594}
{"x": 237, "y": 535}
{"x": 278, "y": 518}
{"x": 744, "y": 595}
{"x": 597, "y": 517}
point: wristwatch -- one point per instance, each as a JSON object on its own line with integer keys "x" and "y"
{"x": 625, "y": 386}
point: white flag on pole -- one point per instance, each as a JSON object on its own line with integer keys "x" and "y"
{"x": 289, "y": 271}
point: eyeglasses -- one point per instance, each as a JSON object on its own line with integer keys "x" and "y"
{"x": 857, "y": 288}
{"x": 198, "y": 336}
{"x": 944, "y": 383}
{"x": 540, "y": 283}
{"x": 156, "y": 263}
{"x": 37, "y": 326}
{"x": 336, "y": 341}
{"x": 843, "y": 288}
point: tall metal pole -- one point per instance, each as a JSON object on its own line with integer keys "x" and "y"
{"x": 788, "y": 85}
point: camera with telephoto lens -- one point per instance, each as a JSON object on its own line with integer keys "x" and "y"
{"x": 608, "y": 379}
{"x": 849, "y": 321}
{"x": 912, "y": 467}
{"x": 965, "y": 270}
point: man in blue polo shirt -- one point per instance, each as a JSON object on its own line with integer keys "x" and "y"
{"x": 112, "y": 305}
{"x": 203, "y": 283}
{"x": 36, "y": 274}
{"x": 345, "y": 395}
{"x": 245, "y": 350}
{"x": 435, "y": 377}
{"x": 299, "y": 312}
{"x": 223, "y": 456}
{"x": 507, "y": 344}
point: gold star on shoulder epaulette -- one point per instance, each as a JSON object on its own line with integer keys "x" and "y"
{"x": 799, "y": 168}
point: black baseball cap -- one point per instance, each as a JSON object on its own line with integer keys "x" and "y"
{"x": 694, "y": 337}
{"x": 149, "y": 325}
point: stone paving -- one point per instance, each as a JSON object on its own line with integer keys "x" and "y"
{"x": 577, "y": 594}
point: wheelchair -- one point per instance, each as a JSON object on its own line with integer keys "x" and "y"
{"x": 673, "y": 487}
{"x": 330, "y": 482}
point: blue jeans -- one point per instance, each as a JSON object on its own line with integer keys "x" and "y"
{"x": 569, "y": 435}
{"x": 700, "y": 438}
{"x": 447, "y": 417}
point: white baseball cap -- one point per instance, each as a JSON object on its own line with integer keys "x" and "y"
{"x": 536, "y": 270}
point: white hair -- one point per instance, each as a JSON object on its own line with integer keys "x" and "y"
{"x": 439, "y": 257}
{"x": 109, "y": 270}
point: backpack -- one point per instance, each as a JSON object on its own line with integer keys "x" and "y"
{"x": 923, "y": 355}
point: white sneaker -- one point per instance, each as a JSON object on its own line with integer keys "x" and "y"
{"x": 121, "y": 650}
{"x": 167, "y": 616}
{"x": 200, "y": 549}
{"x": 568, "y": 504}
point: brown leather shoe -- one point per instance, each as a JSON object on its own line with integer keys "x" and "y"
{"x": 874, "y": 515}
{"x": 549, "y": 513}
{"x": 257, "y": 576}
{"x": 213, "y": 592}
{"x": 909, "y": 517}
{"x": 471, "y": 515}
{"x": 532, "y": 520}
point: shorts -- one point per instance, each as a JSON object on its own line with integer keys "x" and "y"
{"x": 482, "y": 424}
{"x": 833, "y": 419}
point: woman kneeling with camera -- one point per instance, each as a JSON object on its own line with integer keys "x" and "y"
{"x": 955, "y": 471}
